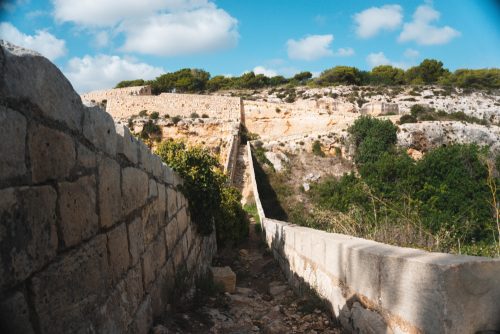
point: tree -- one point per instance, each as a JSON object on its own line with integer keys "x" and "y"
{"x": 302, "y": 77}
{"x": 130, "y": 83}
{"x": 386, "y": 75}
{"x": 340, "y": 75}
{"x": 428, "y": 72}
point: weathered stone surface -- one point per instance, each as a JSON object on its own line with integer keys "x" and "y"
{"x": 12, "y": 143}
{"x": 143, "y": 318}
{"x": 116, "y": 315}
{"x": 66, "y": 293}
{"x": 171, "y": 234}
{"x": 134, "y": 189}
{"x": 161, "y": 204}
{"x": 126, "y": 143}
{"x": 150, "y": 224}
{"x": 28, "y": 238}
{"x": 145, "y": 158}
{"x": 153, "y": 260}
{"x": 14, "y": 315}
{"x": 118, "y": 251}
{"x": 85, "y": 157}
{"x": 156, "y": 166}
{"x": 153, "y": 189}
{"x": 168, "y": 173}
{"x": 136, "y": 239}
{"x": 224, "y": 276}
{"x": 172, "y": 202}
{"x": 99, "y": 129}
{"x": 109, "y": 192}
{"x": 27, "y": 75}
{"x": 361, "y": 320}
{"x": 52, "y": 153}
{"x": 77, "y": 205}
{"x": 182, "y": 219}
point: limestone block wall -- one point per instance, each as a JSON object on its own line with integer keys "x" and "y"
{"x": 377, "y": 288}
{"x": 99, "y": 96}
{"x": 94, "y": 235}
{"x": 176, "y": 104}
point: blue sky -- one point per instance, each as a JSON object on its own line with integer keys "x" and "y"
{"x": 97, "y": 43}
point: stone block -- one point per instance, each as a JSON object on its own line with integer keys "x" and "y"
{"x": 127, "y": 144}
{"x": 148, "y": 267}
{"x": 171, "y": 202}
{"x": 52, "y": 153}
{"x": 168, "y": 174}
{"x": 116, "y": 315}
{"x": 65, "y": 294}
{"x": 14, "y": 315}
{"x": 178, "y": 257}
{"x": 153, "y": 189}
{"x": 136, "y": 239}
{"x": 145, "y": 158}
{"x": 143, "y": 319}
{"x": 28, "y": 234}
{"x": 156, "y": 166}
{"x": 171, "y": 234}
{"x": 28, "y": 75}
{"x": 109, "y": 192}
{"x": 85, "y": 157}
{"x": 224, "y": 276}
{"x": 77, "y": 205}
{"x": 118, "y": 251}
{"x": 150, "y": 223}
{"x": 12, "y": 143}
{"x": 99, "y": 129}
{"x": 162, "y": 204}
{"x": 182, "y": 220}
{"x": 134, "y": 189}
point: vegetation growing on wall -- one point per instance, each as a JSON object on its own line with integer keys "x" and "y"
{"x": 424, "y": 113}
{"x": 429, "y": 71}
{"x": 211, "y": 201}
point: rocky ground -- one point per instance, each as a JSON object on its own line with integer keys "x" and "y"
{"x": 262, "y": 302}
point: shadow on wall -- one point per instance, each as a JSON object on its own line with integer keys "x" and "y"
{"x": 268, "y": 198}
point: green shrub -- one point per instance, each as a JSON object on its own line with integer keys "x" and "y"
{"x": 194, "y": 115}
{"x": 204, "y": 116}
{"x": 151, "y": 131}
{"x": 371, "y": 138}
{"x": 176, "y": 119}
{"x": 154, "y": 115}
{"x": 143, "y": 113}
{"x": 211, "y": 201}
{"x": 407, "y": 119}
{"x": 316, "y": 149}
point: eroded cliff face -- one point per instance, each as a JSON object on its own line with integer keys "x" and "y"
{"x": 425, "y": 136}
{"x": 95, "y": 236}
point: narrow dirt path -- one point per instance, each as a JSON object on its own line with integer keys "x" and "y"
{"x": 262, "y": 303}
{"x": 242, "y": 175}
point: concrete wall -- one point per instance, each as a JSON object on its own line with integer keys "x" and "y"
{"x": 377, "y": 288}
{"x": 94, "y": 236}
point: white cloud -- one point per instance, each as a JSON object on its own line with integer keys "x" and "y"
{"x": 156, "y": 27}
{"x": 345, "y": 52}
{"x": 104, "y": 71}
{"x": 201, "y": 30}
{"x": 110, "y": 12}
{"x": 377, "y": 59}
{"x": 423, "y": 32}
{"x": 266, "y": 71}
{"x": 410, "y": 53}
{"x": 43, "y": 42}
{"x": 310, "y": 47}
{"x": 101, "y": 39}
{"x": 375, "y": 19}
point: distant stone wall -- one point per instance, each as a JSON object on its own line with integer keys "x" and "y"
{"x": 99, "y": 96}
{"x": 377, "y": 288}
{"x": 176, "y": 104}
{"x": 94, "y": 235}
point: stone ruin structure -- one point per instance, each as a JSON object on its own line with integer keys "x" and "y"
{"x": 94, "y": 235}
{"x": 99, "y": 96}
